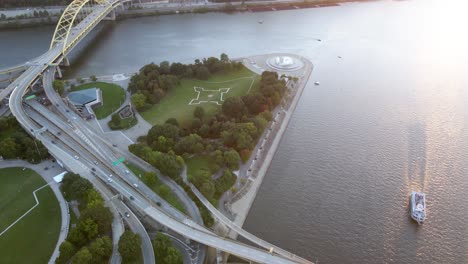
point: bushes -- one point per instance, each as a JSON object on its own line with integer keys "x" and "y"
{"x": 15, "y": 143}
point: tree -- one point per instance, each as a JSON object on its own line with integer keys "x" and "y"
{"x": 164, "y": 67}
{"x": 93, "y": 198}
{"x": 82, "y": 257}
{"x": 67, "y": 250}
{"x": 59, "y": 86}
{"x": 93, "y": 78}
{"x": 202, "y": 73}
{"x": 196, "y": 124}
{"x": 234, "y": 107}
{"x": 101, "y": 215}
{"x": 199, "y": 112}
{"x": 224, "y": 58}
{"x": 166, "y": 130}
{"x": 208, "y": 189}
{"x": 240, "y": 136}
{"x": 173, "y": 256}
{"x": 129, "y": 246}
{"x": 77, "y": 237}
{"x": 172, "y": 121}
{"x": 9, "y": 148}
{"x": 160, "y": 245}
{"x": 192, "y": 143}
{"x": 115, "y": 120}
{"x": 232, "y": 159}
{"x": 79, "y": 189}
{"x": 139, "y": 100}
{"x": 101, "y": 249}
{"x": 88, "y": 227}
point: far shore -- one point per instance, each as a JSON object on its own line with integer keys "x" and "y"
{"x": 164, "y": 8}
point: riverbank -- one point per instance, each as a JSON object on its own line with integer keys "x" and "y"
{"x": 255, "y": 169}
{"x": 24, "y": 18}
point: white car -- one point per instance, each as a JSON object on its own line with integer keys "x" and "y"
{"x": 109, "y": 180}
{"x": 76, "y": 157}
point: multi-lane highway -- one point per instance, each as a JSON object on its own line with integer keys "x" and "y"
{"x": 96, "y": 155}
{"x": 56, "y": 136}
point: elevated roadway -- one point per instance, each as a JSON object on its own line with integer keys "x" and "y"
{"x": 121, "y": 184}
{"x": 69, "y": 144}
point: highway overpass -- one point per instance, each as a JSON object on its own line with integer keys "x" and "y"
{"x": 68, "y": 34}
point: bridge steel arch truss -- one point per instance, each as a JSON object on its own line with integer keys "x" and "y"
{"x": 75, "y": 12}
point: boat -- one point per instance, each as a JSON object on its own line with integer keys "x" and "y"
{"x": 260, "y": 21}
{"x": 418, "y": 206}
{"x": 317, "y": 83}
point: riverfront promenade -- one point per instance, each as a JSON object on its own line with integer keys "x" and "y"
{"x": 254, "y": 170}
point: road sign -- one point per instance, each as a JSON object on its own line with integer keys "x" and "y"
{"x": 122, "y": 159}
{"x": 30, "y": 97}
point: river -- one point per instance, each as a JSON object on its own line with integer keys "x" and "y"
{"x": 390, "y": 116}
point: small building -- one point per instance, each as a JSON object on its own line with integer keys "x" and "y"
{"x": 82, "y": 101}
{"x": 59, "y": 177}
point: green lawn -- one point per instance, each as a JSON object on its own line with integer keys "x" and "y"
{"x": 33, "y": 238}
{"x": 197, "y": 163}
{"x": 113, "y": 97}
{"x": 170, "y": 198}
{"x": 176, "y": 102}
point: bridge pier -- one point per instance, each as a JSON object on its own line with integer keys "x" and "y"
{"x": 59, "y": 73}
{"x": 65, "y": 62}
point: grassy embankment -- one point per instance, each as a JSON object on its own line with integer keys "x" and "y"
{"x": 113, "y": 97}
{"x": 33, "y": 238}
{"x": 158, "y": 188}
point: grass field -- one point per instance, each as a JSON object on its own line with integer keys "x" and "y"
{"x": 113, "y": 96}
{"x": 170, "y": 198}
{"x": 177, "y": 102}
{"x": 198, "y": 163}
{"x": 33, "y": 238}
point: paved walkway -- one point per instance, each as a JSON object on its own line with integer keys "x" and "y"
{"x": 47, "y": 175}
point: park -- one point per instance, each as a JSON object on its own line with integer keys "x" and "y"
{"x": 36, "y": 231}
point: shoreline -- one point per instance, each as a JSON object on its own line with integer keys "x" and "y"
{"x": 241, "y": 207}
{"x": 160, "y": 9}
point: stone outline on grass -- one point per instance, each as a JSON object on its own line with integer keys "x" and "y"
{"x": 27, "y": 212}
{"x": 198, "y": 90}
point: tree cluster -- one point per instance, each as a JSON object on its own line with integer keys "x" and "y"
{"x": 226, "y": 138}
{"x": 129, "y": 246}
{"x": 16, "y": 143}
{"x": 154, "y": 81}
{"x": 164, "y": 252}
{"x": 89, "y": 241}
